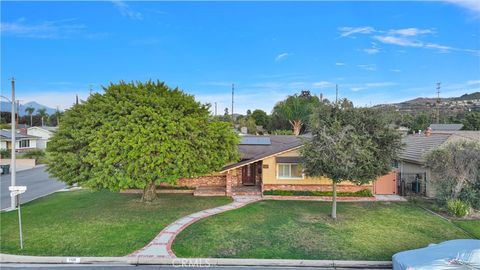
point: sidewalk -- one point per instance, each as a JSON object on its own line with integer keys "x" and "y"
{"x": 178, "y": 262}
{"x": 161, "y": 245}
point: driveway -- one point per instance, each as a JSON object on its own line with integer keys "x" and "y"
{"x": 38, "y": 183}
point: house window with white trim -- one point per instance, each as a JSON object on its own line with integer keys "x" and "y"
{"x": 290, "y": 171}
{"x": 24, "y": 144}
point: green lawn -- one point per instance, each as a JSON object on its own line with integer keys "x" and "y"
{"x": 471, "y": 226}
{"x": 85, "y": 223}
{"x": 303, "y": 230}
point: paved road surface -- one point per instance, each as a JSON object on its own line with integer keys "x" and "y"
{"x": 37, "y": 181}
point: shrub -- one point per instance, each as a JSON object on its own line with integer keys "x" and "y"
{"x": 361, "y": 193}
{"x": 5, "y": 153}
{"x": 457, "y": 208}
{"x": 34, "y": 154}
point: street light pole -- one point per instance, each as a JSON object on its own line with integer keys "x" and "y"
{"x": 13, "y": 166}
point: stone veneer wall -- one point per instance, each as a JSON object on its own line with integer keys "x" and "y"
{"x": 340, "y": 188}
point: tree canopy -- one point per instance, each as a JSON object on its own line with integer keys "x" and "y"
{"x": 138, "y": 135}
{"x": 455, "y": 170}
{"x": 296, "y": 109}
{"x": 349, "y": 144}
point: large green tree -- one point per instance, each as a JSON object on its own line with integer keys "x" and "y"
{"x": 471, "y": 121}
{"x": 261, "y": 118}
{"x": 455, "y": 168}
{"x": 296, "y": 109}
{"x": 349, "y": 144}
{"x": 138, "y": 135}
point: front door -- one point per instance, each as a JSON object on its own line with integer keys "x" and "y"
{"x": 248, "y": 174}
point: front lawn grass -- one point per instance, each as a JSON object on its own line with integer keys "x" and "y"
{"x": 303, "y": 230}
{"x": 87, "y": 223}
{"x": 471, "y": 226}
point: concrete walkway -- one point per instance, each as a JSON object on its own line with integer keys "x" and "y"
{"x": 161, "y": 245}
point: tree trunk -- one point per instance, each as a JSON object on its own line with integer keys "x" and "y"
{"x": 149, "y": 193}
{"x": 42, "y": 121}
{"x": 458, "y": 187}
{"x": 334, "y": 200}
{"x": 297, "y": 126}
{"x": 31, "y": 119}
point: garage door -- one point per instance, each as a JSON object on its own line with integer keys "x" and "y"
{"x": 386, "y": 184}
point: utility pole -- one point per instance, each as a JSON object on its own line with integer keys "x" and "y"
{"x": 76, "y": 99}
{"x": 90, "y": 86}
{"x": 58, "y": 114}
{"x": 13, "y": 167}
{"x": 233, "y": 91}
{"x": 215, "y": 108}
{"x": 438, "y": 103}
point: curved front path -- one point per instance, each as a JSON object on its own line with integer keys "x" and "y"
{"x": 161, "y": 245}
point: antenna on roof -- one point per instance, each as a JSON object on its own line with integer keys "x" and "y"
{"x": 437, "y": 116}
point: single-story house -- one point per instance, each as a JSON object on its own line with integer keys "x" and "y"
{"x": 413, "y": 176}
{"x": 272, "y": 163}
{"x": 43, "y": 133}
{"x": 23, "y": 142}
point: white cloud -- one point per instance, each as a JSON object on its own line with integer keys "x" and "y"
{"x": 405, "y": 37}
{"x": 282, "y": 57}
{"x": 471, "y": 5}
{"x": 356, "y": 89}
{"x": 371, "y": 50}
{"x": 369, "y": 67}
{"x": 472, "y": 82}
{"x": 322, "y": 84}
{"x": 126, "y": 11}
{"x": 339, "y": 64}
{"x": 45, "y": 30}
{"x": 348, "y": 31}
{"x": 379, "y": 84}
{"x": 410, "y": 32}
{"x": 395, "y": 70}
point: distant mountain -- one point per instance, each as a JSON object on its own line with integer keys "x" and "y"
{"x": 7, "y": 107}
{"x": 451, "y": 106}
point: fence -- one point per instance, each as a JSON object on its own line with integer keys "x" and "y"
{"x": 412, "y": 184}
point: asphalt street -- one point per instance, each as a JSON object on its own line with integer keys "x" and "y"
{"x": 38, "y": 183}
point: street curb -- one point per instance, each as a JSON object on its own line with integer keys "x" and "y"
{"x": 7, "y": 258}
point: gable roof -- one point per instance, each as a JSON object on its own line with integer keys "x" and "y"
{"x": 6, "y": 134}
{"x": 450, "y": 127}
{"x": 251, "y": 153}
{"x": 417, "y": 146}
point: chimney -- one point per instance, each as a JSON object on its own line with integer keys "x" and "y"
{"x": 428, "y": 132}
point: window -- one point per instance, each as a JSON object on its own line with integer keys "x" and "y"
{"x": 24, "y": 143}
{"x": 290, "y": 171}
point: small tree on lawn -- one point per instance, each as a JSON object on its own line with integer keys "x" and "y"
{"x": 138, "y": 135}
{"x": 349, "y": 144}
{"x": 455, "y": 169}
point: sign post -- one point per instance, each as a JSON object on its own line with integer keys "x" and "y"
{"x": 15, "y": 191}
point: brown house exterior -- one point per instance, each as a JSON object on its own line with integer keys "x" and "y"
{"x": 269, "y": 163}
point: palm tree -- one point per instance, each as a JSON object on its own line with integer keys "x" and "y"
{"x": 42, "y": 113}
{"x": 30, "y": 111}
{"x": 297, "y": 109}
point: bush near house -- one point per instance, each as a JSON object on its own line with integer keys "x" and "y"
{"x": 36, "y": 154}
{"x": 5, "y": 153}
{"x": 457, "y": 208}
{"x": 361, "y": 193}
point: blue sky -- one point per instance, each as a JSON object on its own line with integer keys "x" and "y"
{"x": 377, "y": 52}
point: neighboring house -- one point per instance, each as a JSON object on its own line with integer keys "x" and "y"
{"x": 23, "y": 141}
{"x": 446, "y": 127}
{"x": 414, "y": 176}
{"x": 43, "y": 133}
{"x": 268, "y": 163}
